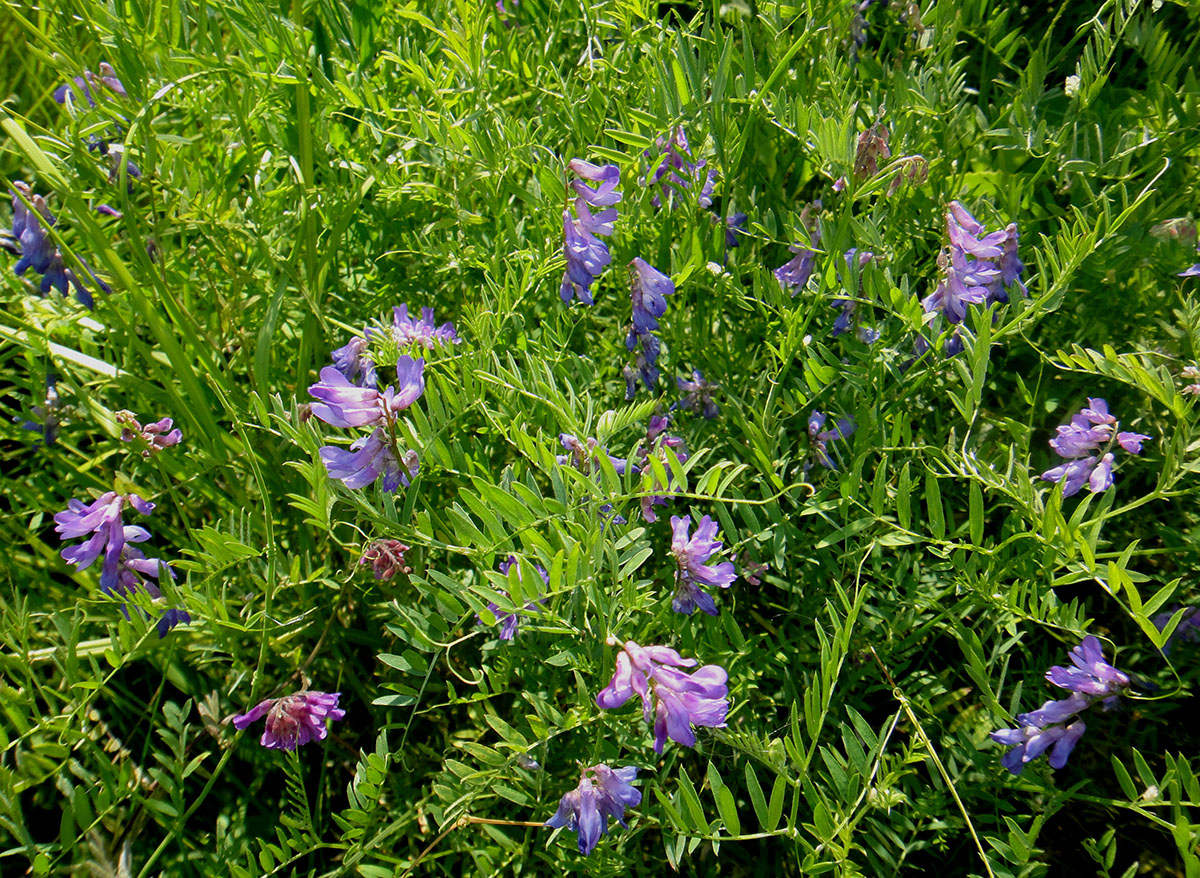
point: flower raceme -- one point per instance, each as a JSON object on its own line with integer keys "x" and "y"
{"x": 154, "y": 437}
{"x": 698, "y": 395}
{"x": 344, "y": 404}
{"x": 648, "y": 289}
{"x": 821, "y": 438}
{"x": 659, "y": 445}
{"x": 293, "y": 720}
{"x": 586, "y": 809}
{"x": 691, "y": 565}
{"x": 1088, "y": 444}
{"x": 586, "y": 254}
{"x": 124, "y": 566}
{"x": 676, "y": 171}
{"x": 677, "y": 700}
{"x": 1090, "y": 680}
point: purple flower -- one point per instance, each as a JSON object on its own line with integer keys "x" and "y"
{"x": 1030, "y": 742}
{"x": 124, "y": 565}
{"x": 821, "y": 438}
{"x": 735, "y": 227}
{"x": 1087, "y": 443}
{"x": 1194, "y": 271}
{"x": 586, "y": 257}
{"x": 510, "y": 622}
{"x": 352, "y": 361}
{"x": 691, "y": 568}
{"x": 1090, "y": 674}
{"x": 408, "y": 330}
{"x": 699, "y": 395}
{"x": 386, "y": 558}
{"x": 155, "y": 437}
{"x": 793, "y": 275}
{"x": 294, "y": 719}
{"x": 1090, "y": 680}
{"x": 586, "y": 809}
{"x": 649, "y": 288}
{"x": 678, "y": 700}
{"x": 29, "y": 240}
{"x": 369, "y": 458}
{"x": 586, "y": 254}
{"x": 346, "y": 405}
{"x": 675, "y": 171}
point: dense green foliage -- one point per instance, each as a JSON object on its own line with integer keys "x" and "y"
{"x": 308, "y": 166}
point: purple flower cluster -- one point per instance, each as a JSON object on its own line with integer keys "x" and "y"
{"x": 1087, "y": 444}
{"x": 648, "y": 289}
{"x": 691, "y": 565}
{"x": 659, "y": 445}
{"x": 1055, "y": 726}
{"x": 872, "y": 144}
{"x": 821, "y": 438}
{"x": 586, "y": 809}
{"x": 586, "y": 254}
{"x": 793, "y": 275}
{"x": 29, "y": 240}
{"x": 675, "y": 171}
{"x": 698, "y": 395}
{"x": 293, "y": 720}
{"x": 977, "y": 267}
{"x": 408, "y": 330}
{"x": 154, "y": 437}
{"x": 124, "y": 566}
{"x": 677, "y": 700}
{"x": 510, "y": 622}
{"x": 343, "y": 404}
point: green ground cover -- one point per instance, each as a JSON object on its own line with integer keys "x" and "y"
{"x": 845, "y": 352}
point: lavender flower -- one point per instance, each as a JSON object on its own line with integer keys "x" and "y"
{"x": 510, "y": 622}
{"x": 649, "y": 288}
{"x": 346, "y": 405}
{"x": 678, "y": 700}
{"x": 408, "y": 330}
{"x": 586, "y": 254}
{"x": 1087, "y": 443}
{"x": 356, "y": 366}
{"x": 29, "y": 240}
{"x": 1090, "y": 675}
{"x": 124, "y": 565}
{"x": 821, "y": 438}
{"x": 368, "y": 459}
{"x": 793, "y": 275}
{"x": 691, "y": 568}
{"x": 294, "y": 719}
{"x": 735, "y": 227}
{"x": 699, "y": 395}
{"x": 586, "y": 809}
{"x": 1090, "y": 680}
{"x": 976, "y": 267}
{"x": 386, "y": 558}
{"x": 1031, "y": 741}
{"x": 154, "y": 437}
{"x": 675, "y": 171}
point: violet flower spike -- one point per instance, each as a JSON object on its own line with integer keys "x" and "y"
{"x": 699, "y": 395}
{"x": 1088, "y": 443}
{"x": 649, "y": 288}
{"x": 691, "y": 567}
{"x": 677, "y": 700}
{"x": 1090, "y": 674}
{"x": 293, "y": 720}
{"x": 586, "y": 809}
{"x": 821, "y": 438}
{"x": 343, "y": 404}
